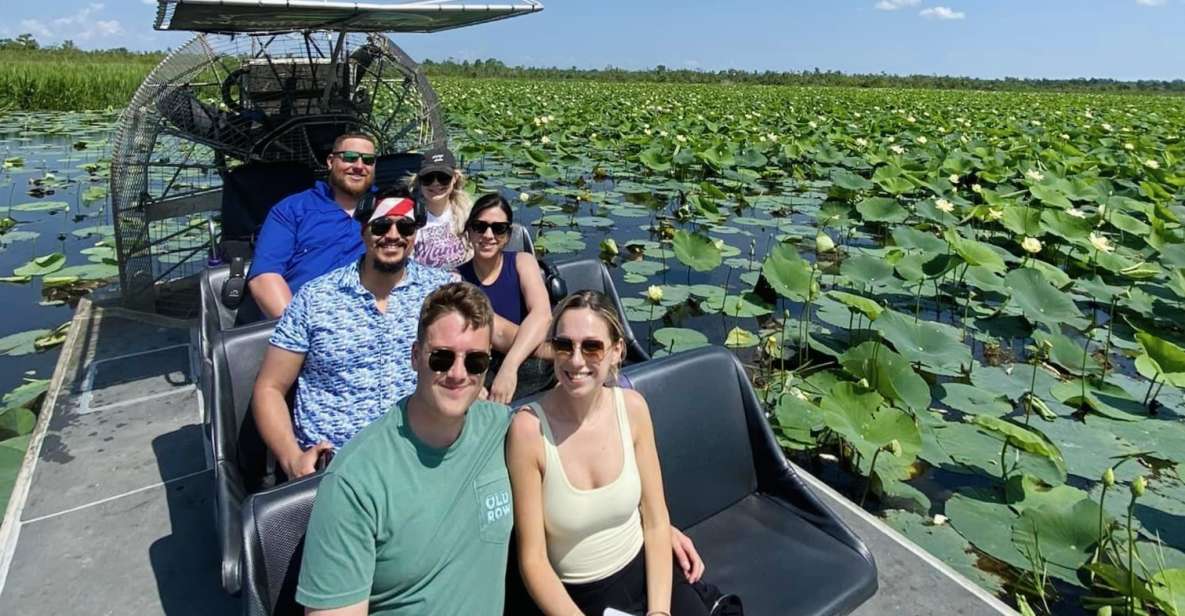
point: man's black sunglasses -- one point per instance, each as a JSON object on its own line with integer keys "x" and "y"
{"x": 405, "y": 226}
{"x": 442, "y": 360}
{"x": 479, "y": 227}
{"x": 351, "y": 157}
{"x": 436, "y": 177}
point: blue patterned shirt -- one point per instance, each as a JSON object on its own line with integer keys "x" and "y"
{"x": 357, "y": 360}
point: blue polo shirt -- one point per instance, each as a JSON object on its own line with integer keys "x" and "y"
{"x": 306, "y": 235}
{"x": 357, "y": 360}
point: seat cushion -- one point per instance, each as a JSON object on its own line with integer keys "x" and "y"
{"x": 778, "y": 562}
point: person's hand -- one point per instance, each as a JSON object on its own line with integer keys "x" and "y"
{"x": 685, "y": 554}
{"x": 305, "y": 463}
{"x": 502, "y": 389}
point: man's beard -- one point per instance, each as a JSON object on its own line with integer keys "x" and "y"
{"x": 391, "y": 267}
{"x": 338, "y": 181}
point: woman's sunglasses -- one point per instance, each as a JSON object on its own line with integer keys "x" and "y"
{"x": 480, "y": 226}
{"x": 592, "y": 349}
{"x": 442, "y": 360}
{"x": 436, "y": 177}
{"x": 405, "y": 226}
{"x": 350, "y": 157}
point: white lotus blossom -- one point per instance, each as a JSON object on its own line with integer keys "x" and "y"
{"x": 1152, "y": 163}
{"x": 921, "y": 140}
{"x": 1102, "y": 211}
{"x": 681, "y": 138}
{"x": 976, "y": 188}
{"x": 862, "y": 142}
{"x": 654, "y": 293}
{"x": 771, "y": 137}
{"x": 647, "y": 131}
{"x": 1100, "y": 242}
{"x": 995, "y": 214}
{"x": 545, "y": 140}
{"x": 1076, "y": 213}
{"x": 911, "y": 119}
{"x": 1129, "y": 147}
{"x": 1105, "y": 126}
{"x": 954, "y": 178}
{"x": 1088, "y": 114}
{"x": 662, "y": 133}
{"x": 1064, "y": 136}
{"x": 524, "y": 197}
{"x": 944, "y": 206}
{"x": 896, "y": 149}
{"x": 1031, "y": 245}
{"x": 812, "y": 124}
{"x": 1034, "y": 175}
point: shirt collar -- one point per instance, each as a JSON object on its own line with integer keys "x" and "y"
{"x": 351, "y": 276}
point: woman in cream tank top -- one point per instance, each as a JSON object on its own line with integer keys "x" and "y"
{"x": 590, "y": 515}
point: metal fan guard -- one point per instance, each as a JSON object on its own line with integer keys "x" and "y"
{"x": 222, "y": 100}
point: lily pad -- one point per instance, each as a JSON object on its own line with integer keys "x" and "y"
{"x": 679, "y": 339}
{"x": 933, "y": 346}
{"x": 42, "y": 265}
{"x": 1040, "y": 301}
{"x": 22, "y": 343}
{"x": 946, "y": 543}
{"x": 696, "y": 251}
{"x": 789, "y": 274}
{"x": 887, "y": 372}
{"x": 1063, "y": 534}
{"x": 41, "y": 206}
{"x": 738, "y": 338}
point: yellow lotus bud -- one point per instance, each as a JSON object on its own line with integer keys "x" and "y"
{"x": 1031, "y": 245}
{"x": 1109, "y": 477}
{"x": 824, "y": 243}
{"x": 1104, "y": 611}
{"x": 609, "y": 246}
{"x": 894, "y": 447}
{"x": 654, "y": 293}
{"x": 1139, "y": 486}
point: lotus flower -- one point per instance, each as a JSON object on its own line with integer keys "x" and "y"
{"x": 1100, "y": 242}
{"x": 944, "y": 206}
{"x": 1031, "y": 245}
{"x": 1152, "y": 163}
{"x": 954, "y": 178}
{"x": 824, "y": 243}
{"x": 524, "y": 197}
{"x": 1034, "y": 175}
{"x": 654, "y": 293}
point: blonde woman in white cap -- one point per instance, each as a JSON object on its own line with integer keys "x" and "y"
{"x": 441, "y": 242}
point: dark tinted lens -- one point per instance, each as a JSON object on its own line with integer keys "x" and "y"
{"x": 436, "y": 177}
{"x": 593, "y": 350}
{"x": 562, "y": 346}
{"x": 406, "y": 226}
{"x": 441, "y": 360}
{"x": 480, "y": 226}
{"x": 380, "y": 226}
{"x": 477, "y": 363}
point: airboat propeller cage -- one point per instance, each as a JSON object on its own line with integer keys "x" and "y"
{"x": 263, "y": 82}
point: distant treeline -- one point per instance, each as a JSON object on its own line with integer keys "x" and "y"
{"x": 816, "y": 77}
{"x": 65, "y": 78}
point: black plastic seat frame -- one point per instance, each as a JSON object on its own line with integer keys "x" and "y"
{"x": 592, "y": 275}
{"x": 763, "y": 533}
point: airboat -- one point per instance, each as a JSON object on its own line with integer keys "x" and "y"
{"x": 145, "y": 488}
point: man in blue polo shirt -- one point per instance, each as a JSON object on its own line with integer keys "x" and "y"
{"x": 345, "y": 340}
{"x": 313, "y": 232}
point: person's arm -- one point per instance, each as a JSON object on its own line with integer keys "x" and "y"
{"x": 271, "y": 293}
{"x": 276, "y": 376}
{"x": 524, "y": 460}
{"x": 340, "y": 551}
{"x": 531, "y": 331}
{"x": 656, "y": 523}
{"x": 273, "y": 250}
{"x": 358, "y": 609}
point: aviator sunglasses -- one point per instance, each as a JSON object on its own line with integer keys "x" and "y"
{"x": 499, "y": 228}
{"x": 350, "y": 157}
{"x": 592, "y": 349}
{"x": 380, "y": 226}
{"x": 436, "y": 177}
{"x": 442, "y": 360}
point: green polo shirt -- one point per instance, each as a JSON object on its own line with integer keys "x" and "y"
{"x": 410, "y": 528}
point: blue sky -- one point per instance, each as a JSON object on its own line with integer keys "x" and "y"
{"x": 1124, "y": 39}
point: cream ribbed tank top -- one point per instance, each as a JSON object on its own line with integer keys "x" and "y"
{"x": 591, "y": 534}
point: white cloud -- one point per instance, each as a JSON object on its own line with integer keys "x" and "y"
{"x": 83, "y": 25}
{"x": 1151, "y": 2}
{"x": 893, "y": 5}
{"x": 148, "y": 2}
{"x": 941, "y": 12}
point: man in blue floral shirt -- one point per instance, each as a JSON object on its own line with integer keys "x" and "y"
{"x": 346, "y": 341}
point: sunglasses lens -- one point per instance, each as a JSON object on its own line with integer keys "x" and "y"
{"x": 405, "y": 226}
{"x": 380, "y": 226}
{"x": 593, "y": 350}
{"x": 436, "y": 177}
{"x": 477, "y": 363}
{"x": 562, "y": 346}
{"x": 350, "y": 157}
{"x": 500, "y": 228}
{"x": 441, "y": 360}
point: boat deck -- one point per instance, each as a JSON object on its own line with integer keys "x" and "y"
{"x": 113, "y": 513}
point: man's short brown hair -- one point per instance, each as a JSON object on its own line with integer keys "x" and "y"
{"x": 337, "y": 143}
{"x": 459, "y": 297}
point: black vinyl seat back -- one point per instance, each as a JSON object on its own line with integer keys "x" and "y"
{"x": 392, "y": 169}
{"x": 274, "y": 523}
{"x": 592, "y": 275}
{"x": 250, "y": 190}
{"x": 520, "y": 239}
{"x": 236, "y": 439}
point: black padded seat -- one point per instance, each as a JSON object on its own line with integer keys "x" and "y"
{"x": 592, "y": 275}
{"x": 250, "y": 190}
{"x": 240, "y": 457}
{"x": 762, "y": 532}
{"x": 392, "y": 169}
{"x": 274, "y": 523}
{"x": 520, "y": 239}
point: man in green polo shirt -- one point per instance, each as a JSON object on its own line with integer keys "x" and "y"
{"x": 414, "y": 515}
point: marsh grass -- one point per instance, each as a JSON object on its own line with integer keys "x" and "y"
{"x": 67, "y": 80}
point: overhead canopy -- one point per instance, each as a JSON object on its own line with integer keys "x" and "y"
{"x": 292, "y": 15}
